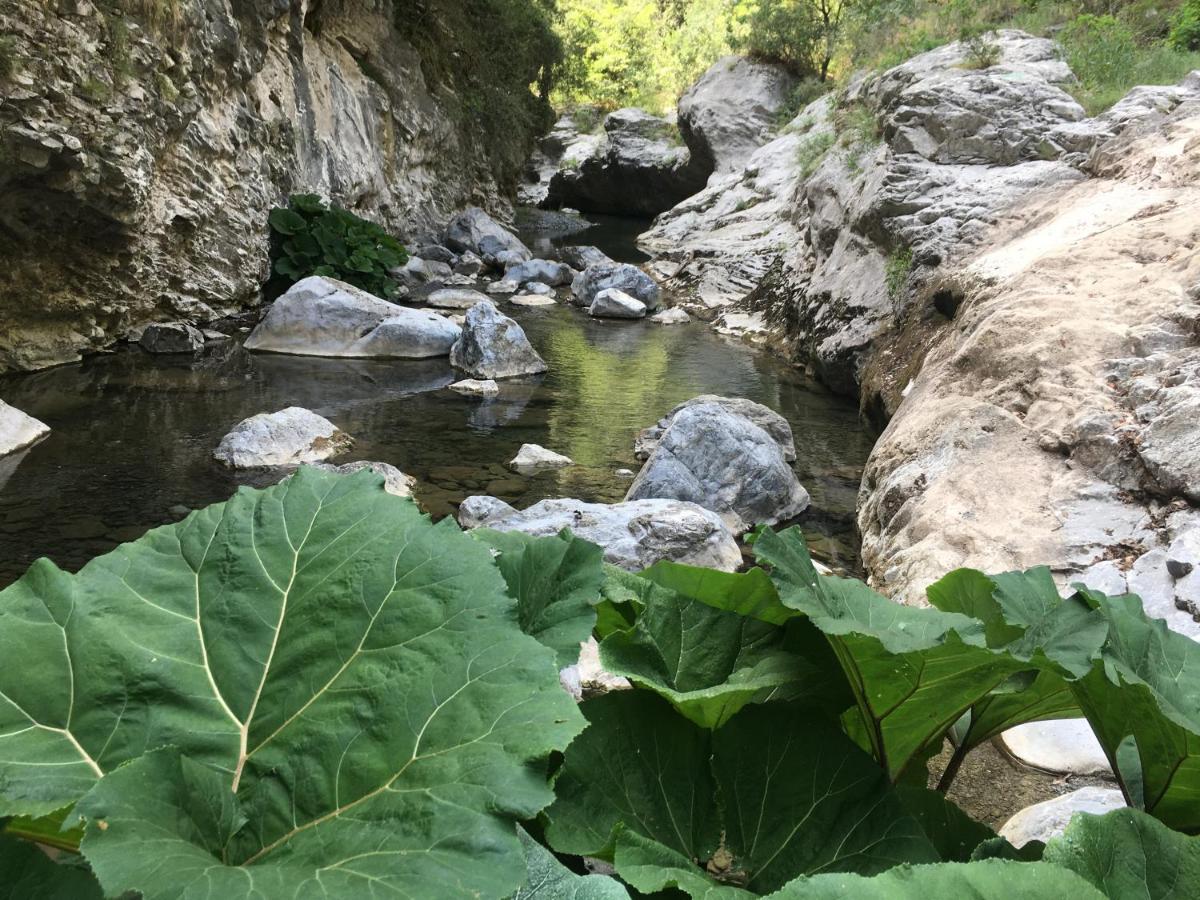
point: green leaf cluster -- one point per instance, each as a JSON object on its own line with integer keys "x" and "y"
{"x": 310, "y": 238}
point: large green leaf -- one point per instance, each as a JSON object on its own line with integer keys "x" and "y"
{"x": 556, "y": 582}
{"x": 549, "y": 879}
{"x": 26, "y": 873}
{"x": 775, "y": 793}
{"x": 953, "y": 833}
{"x": 992, "y": 879}
{"x": 333, "y": 669}
{"x": 1127, "y": 853}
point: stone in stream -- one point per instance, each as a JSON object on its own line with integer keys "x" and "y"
{"x": 417, "y": 271}
{"x": 532, "y": 300}
{"x": 630, "y": 279}
{"x": 634, "y": 535}
{"x": 537, "y": 287}
{"x": 455, "y": 298}
{"x": 494, "y": 346}
{"x": 1066, "y": 746}
{"x": 674, "y": 316}
{"x": 321, "y": 316}
{"x": 17, "y": 430}
{"x": 612, "y": 303}
{"x": 286, "y": 438}
{"x": 763, "y": 416}
{"x": 475, "y": 388}
{"x": 1048, "y": 819}
{"x": 534, "y": 456}
{"x": 503, "y": 286}
{"x": 475, "y": 231}
{"x": 580, "y": 257}
{"x": 394, "y": 481}
{"x": 468, "y": 264}
{"x": 171, "y": 337}
{"x": 724, "y": 462}
{"x": 544, "y": 271}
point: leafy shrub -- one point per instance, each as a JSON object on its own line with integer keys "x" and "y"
{"x": 981, "y": 51}
{"x": 312, "y": 690}
{"x": 1185, "y": 30}
{"x": 803, "y": 35}
{"x": 812, "y": 150}
{"x": 899, "y": 265}
{"x": 309, "y": 238}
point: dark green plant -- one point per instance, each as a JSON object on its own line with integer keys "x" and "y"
{"x": 310, "y": 238}
{"x": 980, "y": 50}
{"x": 803, "y": 35}
{"x": 812, "y": 150}
{"x": 1185, "y": 29}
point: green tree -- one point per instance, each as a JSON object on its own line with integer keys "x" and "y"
{"x": 803, "y": 35}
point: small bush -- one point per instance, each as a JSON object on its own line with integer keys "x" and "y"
{"x": 812, "y": 150}
{"x": 309, "y": 238}
{"x": 899, "y": 265}
{"x": 95, "y": 90}
{"x": 981, "y": 51}
{"x": 1185, "y": 30}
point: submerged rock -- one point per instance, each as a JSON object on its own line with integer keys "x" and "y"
{"x": 324, "y": 317}
{"x": 476, "y": 388}
{"x": 1050, "y": 818}
{"x": 171, "y": 337}
{"x": 17, "y": 430}
{"x": 494, "y": 346}
{"x": 764, "y": 417}
{"x": 634, "y": 535}
{"x": 535, "y": 456}
{"x": 475, "y": 231}
{"x": 612, "y": 303}
{"x": 622, "y": 276}
{"x": 394, "y": 481}
{"x": 289, "y": 437}
{"x": 724, "y": 462}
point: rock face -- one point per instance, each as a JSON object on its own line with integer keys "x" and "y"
{"x": 724, "y": 462}
{"x": 394, "y": 481}
{"x": 321, "y": 316}
{"x": 622, "y": 276}
{"x": 17, "y": 430}
{"x": 1050, "y": 818}
{"x": 640, "y": 168}
{"x": 634, "y": 535}
{"x": 474, "y": 231}
{"x": 171, "y": 337}
{"x": 563, "y": 141}
{"x": 142, "y": 186}
{"x": 730, "y": 112}
{"x": 494, "y": 346}
{"x": 289, "y": 437}
{"x": 611, "y": 303}
{"x": 763, "y": 416}
{"x": 534, "y": 456}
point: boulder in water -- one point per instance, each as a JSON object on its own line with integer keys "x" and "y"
{"x": 535, "y": 456}
{"x": 321, "y": 316}
{"x": 724, "y": 462}
{"x": 612, "y": 303}
{"x": 475, "y": 388}
{"x": 676, "y": 315}
{"x": 634, "y": 535}
{"x": 494, "y": 346}
{"x": 540, "y": 270}
{"x": 538, "y": 288}
{"x": 503, "y": 286}
{"x": 475, "y": 231}
{"x": 763, "y": 416}
{"x": 583, "y": 256}
{"x": 468, "y": 264}
{"x": 455, "y": 298}
{"x": 171, "y": 337}
{"x": 286, "y": 438}
{"x": 532, "y": 300}
{"x": 601, "y": 276}
{"x": 17, "y": 430}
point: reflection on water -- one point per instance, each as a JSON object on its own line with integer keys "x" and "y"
{"x": 133, "y": 434}
{"x": 615, "y": 235}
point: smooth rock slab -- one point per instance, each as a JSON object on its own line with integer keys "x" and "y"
{"x": 532, "y": 300}
{"x": 494, "y": 346}
{"x": 725, "y": 463}
{"x": 673, "y": 316}
{"x": 325, "y": 317}
{"x": 1050, "y": 818}
{"x": 535, "y": 456}
{"x": 612, "y": 303}
{"x": 634, "y": 535}
{"x": 17, "y": 430}
{"x": 171, "y": 337}
{"x": 455, "y": 298}
{"x": 763, "y": 416}
{"x": 394, "y": 481}
{"x": 476, "y": 388}
{"x": 286, "y": 438}
{"x": 1063, "y": 745}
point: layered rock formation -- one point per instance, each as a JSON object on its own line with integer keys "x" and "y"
{"x": 141, "y": 158}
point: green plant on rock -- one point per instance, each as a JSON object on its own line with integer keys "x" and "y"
{"x": 981, "y": 50}
{"x": 311, "y": 238}
{"x": 812, "y": 149}
{"x": 899, "y": 265}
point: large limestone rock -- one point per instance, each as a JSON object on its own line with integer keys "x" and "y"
{"x": 763, "y": 416}
{"x": 1065, "y": 746}
{"x": 624, "y": 277}
{"x": 474, "y": 231}
{"x": 563, "y": 142}
{"x": 321, "y": 316}
{"x": 640, "y": 168}
{"x": 1050, "y": 818}
{"x": 17, "y": 430}
{"x": 148, "y": 200}
{"x": 494, "y": 346}
{"x": 612, "y": 303}
{"x": 724, "y": 462}
{"x": 731, "y": 111}
{"x": 634, "y": 535}
{"x": 286, "y": 438}
{"x": 171, "y": 337}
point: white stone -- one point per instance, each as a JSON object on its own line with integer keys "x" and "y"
{"x": 536, "y": 287}
{"x": 612, "y": 303}
{"x": 503, "y": 286}
{"x": 676, "y": 315}
{"x": 289, "y": 437}
{"x": 1060, "y": 745}
{"x": 476, "y": 388}
{"x": 17, "y": 430}
{"x": 480, "y": 510}
{"x": 1050, "y": 818}
{"x": 587, "y": 678}
{"x": 534, "y": 456}
{"x": 455, "y": 298}
{"x": 532, "y": 300}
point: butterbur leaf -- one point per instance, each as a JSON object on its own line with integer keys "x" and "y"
{"x": 555, "y": 581}
{"x": 650, "y": 867}
{"x": 953, "y": 833}
{"x": 285, "y": 221}
{"x": 26, "y": 873}
{"x": 50, "y": 830}
{"x": 309, "y": 204}
{"x": 993, "y": 879}
{"x": 1127, "y": 853}
{"x": 548, "y": 879}
{"x": 1000, "y": 848}
{"x": 332, "y": 669}
{"x": 773, "y": 794}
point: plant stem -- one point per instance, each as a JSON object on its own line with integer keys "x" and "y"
{"x": 952, "y": 767}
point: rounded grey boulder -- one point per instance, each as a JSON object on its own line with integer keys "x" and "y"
{"x": 475, "y": 231}
{"x": 541, "y": 270}
{"x": 763, "y": 416}
{"x": 612, "y": 303}
{"x": 171, "y": 337}
{"x": 289, "y": 437}
{"x": 622, "y": 276}
{"x": 494, "y": 346}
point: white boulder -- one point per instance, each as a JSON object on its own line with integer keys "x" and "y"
{"x": 289, "y": 437}
{"x": 532, "y": 300}
{"x": 1066, "y": 746}
{"x": 476, "y": 388}
{"x": 676, "y": 315}
{"x": 17, "y": 430}
{"x": 394, "y": 481}
{"x": 535, "y": 456}
{"x": 454, "y": 298}
{"x": 613, "y": 303}
{"x": 1050, "y": 818}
